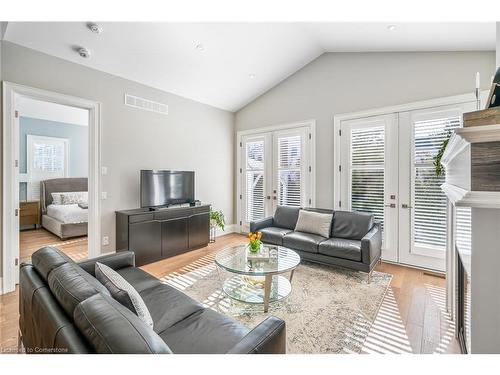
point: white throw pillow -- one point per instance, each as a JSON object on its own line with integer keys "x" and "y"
{"x": 314, "y": 222}
{"x": 123, "y": 292}
{"x": 56, "y": 198}
{"x": 75, "y": 197}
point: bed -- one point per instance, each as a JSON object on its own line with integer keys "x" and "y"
{"x": 65, "y": 221}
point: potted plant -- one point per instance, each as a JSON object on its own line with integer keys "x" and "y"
{"x": 216, "y": 221}
{"x": 254, "y": 241}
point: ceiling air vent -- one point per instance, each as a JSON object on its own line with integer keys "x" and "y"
{"x": 147, "y": 105}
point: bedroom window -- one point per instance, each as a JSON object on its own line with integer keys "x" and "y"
{"x": 47, "y": 157}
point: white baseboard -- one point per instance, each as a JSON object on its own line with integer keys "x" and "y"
{"x": 230, "y": 228}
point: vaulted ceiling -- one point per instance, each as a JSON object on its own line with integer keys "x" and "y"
{"x": 227, "y": 65}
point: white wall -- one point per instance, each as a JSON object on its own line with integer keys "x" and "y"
{"x": 498, "y": 45}
{"x": 1, "y": 165}
{"x": 346, "y": 82}
{"x": 192, "y": 136}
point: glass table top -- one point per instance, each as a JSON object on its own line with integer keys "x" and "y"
{"x": 235, "y": 259}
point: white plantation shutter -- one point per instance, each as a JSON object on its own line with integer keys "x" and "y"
{"x": 254, "y": 179}
{"x": 367, "y": 170}
{"x": 47, "y": 158}
{"x": 463, "y": 229}
{"x": 289, "y": 170}
{"x": 429, "y": 201}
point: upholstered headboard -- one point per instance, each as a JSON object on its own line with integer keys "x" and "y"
{"x": 56, "y": 185}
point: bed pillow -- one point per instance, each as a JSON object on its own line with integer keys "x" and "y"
{"x": 74, "y": 197}
{"x": 56, "y": 198}
{"x": 314, "y": 222}
{"x": 123, "y": 292}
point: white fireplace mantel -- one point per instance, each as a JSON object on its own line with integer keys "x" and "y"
{"x": 472, "y": 163}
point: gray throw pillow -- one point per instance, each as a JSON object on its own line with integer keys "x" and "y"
{"x": 314, "y": 222}
{"x": 123, "y": 292}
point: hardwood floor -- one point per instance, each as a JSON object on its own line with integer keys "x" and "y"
{"x": 412, "y": 318}
{"x": 32, "y": 240}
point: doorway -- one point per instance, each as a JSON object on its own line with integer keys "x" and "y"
{"x": 53, "y": 156}
{"x": 387, "y": 168}
{"x": 276, "y": 167}
{"x": 50, "y": 170}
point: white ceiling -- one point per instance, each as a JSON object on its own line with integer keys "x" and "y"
{"x": 52, "y": 111}
{"x": 238, "y": 61}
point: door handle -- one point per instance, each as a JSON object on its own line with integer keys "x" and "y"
{"x": 405, "y": 205}
{"x": 391, "y": 205}
{"x": 268, "y": 197}
{"x": 274, "y": 197}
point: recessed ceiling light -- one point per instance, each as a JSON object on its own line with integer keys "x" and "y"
{"x": 391, "y": 27}
{"x": 252, "y": 76}
{"x": 200, "y": 47}
{"x": 94, "y": 27}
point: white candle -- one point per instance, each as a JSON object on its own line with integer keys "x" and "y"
{"x": 478, "y": 79}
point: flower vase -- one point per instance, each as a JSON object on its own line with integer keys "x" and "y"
{"x": 254, "y": 247}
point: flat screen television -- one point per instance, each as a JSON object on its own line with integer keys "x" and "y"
{"x": 163, "y": 188}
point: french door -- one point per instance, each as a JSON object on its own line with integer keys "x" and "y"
{"x": 387, "y": 168}
{"x": 422, "y": 212}
{"x": 369, "y": 173}
{"x": 276, "y": 170}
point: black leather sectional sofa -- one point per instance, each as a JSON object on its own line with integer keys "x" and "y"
{"x": 64, "y": 309}
{"x": 355, "y": 238}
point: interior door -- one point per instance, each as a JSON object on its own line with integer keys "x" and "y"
{"x": 369, "y": 173}
{"x": 276, "y": 170}
{"x": 423, "y": 207}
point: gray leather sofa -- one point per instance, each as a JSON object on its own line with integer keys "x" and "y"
{"x": 355, "y": 238}
{"x": 64, "y": 309}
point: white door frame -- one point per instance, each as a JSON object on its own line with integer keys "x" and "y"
{"x": 310, "y": 124}
{"x": 10, "y": 177}
{"x": 337, "y": 120}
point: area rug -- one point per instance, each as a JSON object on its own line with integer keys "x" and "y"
{"x": 330, "y": 310}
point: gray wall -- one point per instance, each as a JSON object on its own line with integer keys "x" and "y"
{"x": 337, "y": 83}
{"x": 1, "y": 163}
{"x": 193, "y": 136}
{"x": 77, "y": 136}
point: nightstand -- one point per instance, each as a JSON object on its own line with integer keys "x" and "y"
{"x": 29, "y": 213}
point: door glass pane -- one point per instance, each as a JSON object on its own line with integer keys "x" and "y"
{"x": 289, "y": 170}
{"x": 429, "y": 210}
{"x": 254, "y": 180}
{"x": 367, "y": 171}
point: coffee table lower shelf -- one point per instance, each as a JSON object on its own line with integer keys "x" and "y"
{"x": 257, "y": 289}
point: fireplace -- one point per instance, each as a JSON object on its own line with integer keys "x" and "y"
{"x": 472, "y": 164}
{"x": 463, "y": 306}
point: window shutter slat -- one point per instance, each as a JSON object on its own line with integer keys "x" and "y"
{"x": 367, "y": 171}
{"x": 289, "y": 170}
{"x": 429, "y": 207}
{"x": 254, "y": 152}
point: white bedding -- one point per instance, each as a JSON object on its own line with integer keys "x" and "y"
{"x": 68, "y": 213}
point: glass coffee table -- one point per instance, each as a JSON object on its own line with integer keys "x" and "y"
{"x": 257, "y": 281}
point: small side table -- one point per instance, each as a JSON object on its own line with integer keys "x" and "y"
{"x": 29, "y": 213}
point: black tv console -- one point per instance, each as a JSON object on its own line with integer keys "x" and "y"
{"x": 160, "y": 234}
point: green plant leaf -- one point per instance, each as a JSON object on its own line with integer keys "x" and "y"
{"x": 217, "y": 217}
